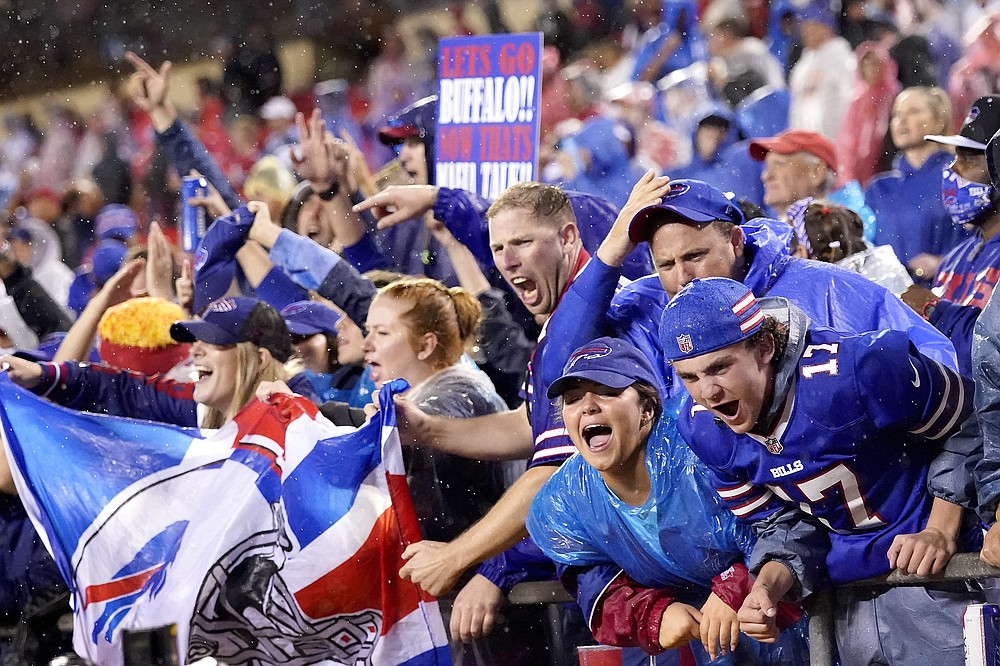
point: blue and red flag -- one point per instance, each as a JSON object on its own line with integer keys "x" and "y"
{"x": 276, "y": 539}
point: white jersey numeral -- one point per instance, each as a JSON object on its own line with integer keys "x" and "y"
{"x": 829, "y": 367}
{"x": 818, "y": 489}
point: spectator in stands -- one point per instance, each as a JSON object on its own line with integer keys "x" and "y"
{"x": 674, "y": 44}
{"x": 740, "y": 63}
{"x": 721, "y": 158}
{"x": 252, "y": 74}
{"x": 800, "y": 164}
{"x": 968, "y": 274}
{"x": 278, "y": 114}
{"x": 821, "y": 81}
{"x": 907, "y": 200}
{"x": 862, "y": 137}
{"x": 598, "y": 159}
{"x": 744, "y": 365}
{"x": 644, "y": 576}
{"x": 37, "y": 308}
{"x": 320, "y": 339}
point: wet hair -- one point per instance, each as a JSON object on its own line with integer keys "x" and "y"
{"x": 548, "y": 204}
{"x": 777, "y": 331}
{"x": 939, "y": 104}
{"x": 649, "y": 399}
{"x": 381, "y": 278}
{"x": 452, "y": 315}
{"x": 734, "y": 25}
{"x": 290, "y": 214}
{"x": 834, "y": 232}
{"x": 750, "y": 210}
{"x": 249, "y": 374}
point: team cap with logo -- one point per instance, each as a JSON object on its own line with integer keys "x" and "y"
{"x": 688, "y": 199}
{"x": 230, "y": 320}
{"x": 707, "y": 315}
{"x": 608, "y": 361}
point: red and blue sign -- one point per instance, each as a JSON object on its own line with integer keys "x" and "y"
{"x": 488, "y": 112}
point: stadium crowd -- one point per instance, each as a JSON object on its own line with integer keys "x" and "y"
{"x": 746, "y": 216}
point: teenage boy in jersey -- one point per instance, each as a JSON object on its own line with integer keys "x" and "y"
{"x": 824, "y": 441}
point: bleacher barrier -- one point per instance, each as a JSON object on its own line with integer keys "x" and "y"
{"x": 964, "y": 566}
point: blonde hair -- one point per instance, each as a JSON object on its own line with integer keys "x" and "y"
{"x": 452, "y": 315}
{"x": 249, "y": 374}
{"x": 939, "y": 104}
{"x": 548, "y": 204}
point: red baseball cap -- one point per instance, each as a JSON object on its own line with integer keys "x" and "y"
{"x": 794, "y": 141}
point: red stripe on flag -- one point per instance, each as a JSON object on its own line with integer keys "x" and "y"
{"x": 370, "y": 579}
{"x": 119, "y": 588}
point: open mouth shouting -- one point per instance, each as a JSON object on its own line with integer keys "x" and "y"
{"x": 597, "y": 436}
{"x": 527, "y": 290}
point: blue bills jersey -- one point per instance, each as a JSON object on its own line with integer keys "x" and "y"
{"x": 851, "y": 447}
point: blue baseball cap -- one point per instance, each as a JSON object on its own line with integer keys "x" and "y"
{"x": 817, "y": 12}
{"x": 310, "y": 318}
{"x": 692, "y": 200}
{"x": 608, "y": 361}
{"x": 108, "y": 257}
{"x": 115, "y": 221}
{"x": 238, "y": 319}
{"x": 706, "y": 315}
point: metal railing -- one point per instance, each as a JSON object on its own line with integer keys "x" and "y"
{"x": 964, "y": 566}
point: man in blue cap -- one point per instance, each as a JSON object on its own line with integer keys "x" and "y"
{"x": 824, "y": 498}
{"x": 696, "y": 231}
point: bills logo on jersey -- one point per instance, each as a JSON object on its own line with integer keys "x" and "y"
{"x": 685, "y": 344}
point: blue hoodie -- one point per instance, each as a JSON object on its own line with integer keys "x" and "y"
{"x": 611, "y": 173}
{"x": 731, "y": 169}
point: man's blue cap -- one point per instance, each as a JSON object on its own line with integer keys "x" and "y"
{"x": 707, "y": 315}
{"x": 108, "y": 257}
{"x": 608, "y": 361}
{"x": 115, "y": 221}
{"x": 238, "y": 319}
{"x": 692, "y": 200}
{"x": 310, "y": 318}
{"x": 817, "y": 12}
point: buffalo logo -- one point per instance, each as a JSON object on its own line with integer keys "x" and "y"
{"x": 971, "y": 117}
{"x": 676, "y": 189}
{"x": 145, "y": 574}
{"x": 200, "y": 257}
{"x": 589, "y": 353}
{"x": 685, "y": 344}
{"x": 222, "y": 305}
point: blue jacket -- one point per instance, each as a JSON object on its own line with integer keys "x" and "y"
{"x": 986, "y": 372}
{"x": 829, "y": 295}
{"x": 908, "y": 210}
{"x": 731, "y": 169}
{"x": 464, "y": 213}
{"x": 611, "y": 172}
{"x": 965, "y": 280}
{"x": 679, "y": 17}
